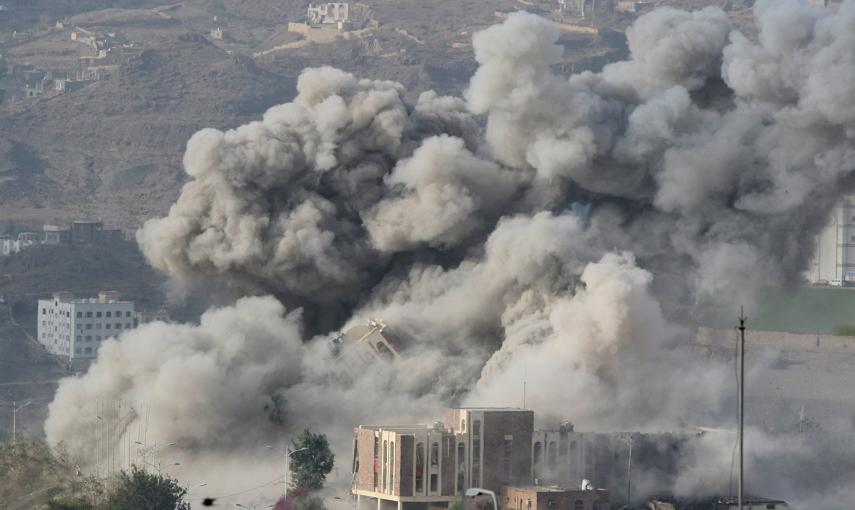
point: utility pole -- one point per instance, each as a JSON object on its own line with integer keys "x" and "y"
{"x": 15, "y": 410}
{"x": 629, "y": 474}
{"x": 741, "y": 417}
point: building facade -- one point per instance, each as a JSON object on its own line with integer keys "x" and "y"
{"x": 420, "y": 466}
{"x": 9, "y": 246}
{"x": 563, "y": 456}
{"x": 537, "y": 497}
{"x": 834, "y": 251}
{"x": 74, "y": 329}
{"x": 331, "y": 13}
{"x": 82, "y": 232}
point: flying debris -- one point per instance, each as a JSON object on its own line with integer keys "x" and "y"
{"x": 362, "y": 345}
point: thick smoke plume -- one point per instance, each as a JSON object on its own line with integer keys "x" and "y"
{"x": 573, "y": 243}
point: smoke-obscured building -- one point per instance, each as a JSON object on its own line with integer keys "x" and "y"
{"x": 74, "y": 329}
{"x": 723, "y": 503}
{"x": 563, "y": 456}
{"x": 361, "y": 345}
{"x": 834, "y": 251}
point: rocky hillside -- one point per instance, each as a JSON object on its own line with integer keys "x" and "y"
{"x": 113, "y": 149}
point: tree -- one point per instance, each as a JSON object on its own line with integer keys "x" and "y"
{"x": 311, "y": 466}
{"x": 140, "y": 490}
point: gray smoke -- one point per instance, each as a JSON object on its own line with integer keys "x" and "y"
{"x": 573, "y": 244}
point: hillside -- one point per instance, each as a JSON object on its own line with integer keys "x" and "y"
{"x": 113, "y": 149}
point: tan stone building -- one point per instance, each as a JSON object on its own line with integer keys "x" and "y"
{"x": 553, "y": 498}
{"x": 420, "y": 466}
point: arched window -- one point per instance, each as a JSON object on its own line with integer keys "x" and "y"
{"x": 385, "y": 470}
{"x": 434, "y": 467}
{"x": 420, "y": 468}
{"x": 392, "y": 467}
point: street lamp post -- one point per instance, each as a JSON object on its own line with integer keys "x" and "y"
{"x": 288, "y": 454}
{"x": 477, "y": 491}
{"x": 15, "y": 409}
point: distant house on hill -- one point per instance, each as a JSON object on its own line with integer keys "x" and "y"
{"x": 332, "y": 13}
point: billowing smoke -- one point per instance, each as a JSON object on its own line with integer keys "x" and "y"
{"x": 573, "y": 243}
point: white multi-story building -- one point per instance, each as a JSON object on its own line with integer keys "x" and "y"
{"x": 332, "y": 13}
{"x": 834, "y": 254}
{"x": 10, "y": 246}
{"x": 74, "y": 329}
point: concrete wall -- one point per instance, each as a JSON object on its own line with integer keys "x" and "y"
{"x": 518, "y": 425}
{"x": 715, "y": 339}
{"x": 364, "y": 479}
{"x": 406, "y": 463}
{"x": 535, "y": 498}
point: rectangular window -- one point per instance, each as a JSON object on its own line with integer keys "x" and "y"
{"x": 97, "y": 338}
{"x": 89, "y": 314}
{"x": 127, "y": 314}
{"x": 385, "y": 453}
{"x": 78, "y": 338}
{"x": 107, "y": 326}
{"x": 475, "y": 477}
{"x": 109, "y": 314}
{"x": 392, "y": 467}
{"x": 88, "y": 350}
{"x": 118, "y": 325}
{"x": 376, "y": 459}
{"x": 97, "y": 314}
{"x": 420, "y": 467}
{"x": 434, "y": 482}
{"x": 89, "y": 326}
{"x": 507, "y": 458}
{"x": 44, "y": 311}
{"x": 461, "y": 466}
{"x": 79, "y": 315}
{"x": 88, "y": 338}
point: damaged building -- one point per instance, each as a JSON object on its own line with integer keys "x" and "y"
{"x": 365, "y": 343}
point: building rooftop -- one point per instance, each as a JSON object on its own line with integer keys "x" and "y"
{"x": 403, "y": 428}
{"x": 489, "y": 409}
{"x": 104, "y": 297}
{"x": 552, "y": 488}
